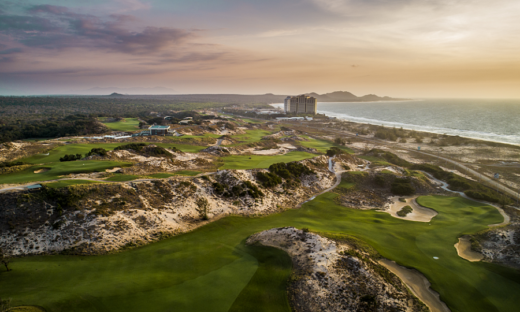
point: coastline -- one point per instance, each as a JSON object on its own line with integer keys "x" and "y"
{"x": 468, "y": 134}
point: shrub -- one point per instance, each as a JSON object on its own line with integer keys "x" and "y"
{"x": 70, "y": 157}
{"x": 132, "y": 146}
{"x": 402, "y": 186}
{"x": 97, "y": 151}
{"x": 268, "y": 179}
{"x": 203, "y": 207}
{"x": 404, "y": 211}
{"x": 334, "y": 151}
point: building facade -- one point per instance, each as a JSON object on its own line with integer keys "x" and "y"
{"x": 158, "y": 130}
{"x": 300, "y": 104}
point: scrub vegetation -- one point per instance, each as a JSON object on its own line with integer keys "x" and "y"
{"x": 228, "y": 274}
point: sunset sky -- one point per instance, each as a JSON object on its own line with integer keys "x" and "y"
{"x": 402, "y": 48}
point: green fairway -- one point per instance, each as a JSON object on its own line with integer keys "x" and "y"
{"x": 127, "y": 124}
{"x": 65, "y": 183}
{"x": 55, "y": 170}
{"x": 123, "y": 178}
{"x": 322, "y": 146}
{"x": 211, "y": 269}
{"x": 187, "y": 172}
{"x": 57, "y": 153}
{"x": 261, "y": 161}
{"x": 250, "y": 136}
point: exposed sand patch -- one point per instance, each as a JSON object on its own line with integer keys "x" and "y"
{"x": 287, "y": 146}
{"x": 113, "y": 169}
{"x": 420, "y": 214}
{"x": 464, "y": 250}
{"x": 275, "y": 151}
{"x": 41, "y": 170}
{"x": 418, "y": 284}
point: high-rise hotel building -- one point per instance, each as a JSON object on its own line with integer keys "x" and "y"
{"x": 300, "y": 104}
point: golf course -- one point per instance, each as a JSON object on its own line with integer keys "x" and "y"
{"x": 211, "y": 268}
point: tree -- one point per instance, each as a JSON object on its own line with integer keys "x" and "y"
{"x": 5, "y": 259}
{"x": 202, "y": 208}
{"x": 339, "y": 141}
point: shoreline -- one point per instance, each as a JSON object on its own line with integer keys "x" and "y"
{"x": 410, "y": 127}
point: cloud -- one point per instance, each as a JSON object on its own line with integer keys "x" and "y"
{"x": 57, "y": 27}
{"x": 10, "y": 51}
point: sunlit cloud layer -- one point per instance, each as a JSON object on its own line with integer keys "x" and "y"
{"x": 420, "y": 48}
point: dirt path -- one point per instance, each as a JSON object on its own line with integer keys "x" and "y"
{"x": 418, "y": 284}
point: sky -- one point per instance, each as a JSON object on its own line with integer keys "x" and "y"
{"x": 400, "y": 48}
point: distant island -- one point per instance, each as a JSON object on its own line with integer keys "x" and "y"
{"x": 116, "y": 94}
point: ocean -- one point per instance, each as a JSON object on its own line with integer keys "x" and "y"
{"x": 491, "y": 120}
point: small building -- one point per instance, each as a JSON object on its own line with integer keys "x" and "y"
{"x": 34, "y": 187}
{"x": 158, "y": 130}
{"x": 184, "y": 122}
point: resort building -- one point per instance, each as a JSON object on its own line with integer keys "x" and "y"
{"x": 300, "y": 104}
{"x": 158, "y": 130}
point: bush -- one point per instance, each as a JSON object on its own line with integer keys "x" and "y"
{"x": 70, "y": 157}
{"x": 97, "y": 151}
{"x": 132, "y": 146}
{"x": 404, "y": 211}
{"x": 402, "y": 186}
{"x": 333, "y": 151}
{"x": 269, "y": 179}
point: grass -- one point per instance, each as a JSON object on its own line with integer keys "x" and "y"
{"x": 211, "y": 268}
{"x": 123, "y": 178}
{"x": 56, "y": 170}
{"x": 187, "y": 172}
{"x": 375, "y": 161}
{"x": 261, "y": 161}
{"x": 55, "y": 154}
{"x": 251, "y": 136}
{"x": 65, "y": 183}
{"x": 322, "y": 146}
{"x": 127, "y": 124}
{"x": 266, "y": 291}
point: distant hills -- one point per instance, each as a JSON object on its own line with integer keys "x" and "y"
{"x": 268, "y": 98}
{"x": 345, "y": 96}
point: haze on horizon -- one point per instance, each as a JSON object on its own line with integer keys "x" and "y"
{"x": 398, "y": 48}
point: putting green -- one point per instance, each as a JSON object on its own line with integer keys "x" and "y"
{"x": 211, "y": 269}
{"x": 261, "y": 161}
{"x": 55, "y": 170}
{"x": 57, "y": 153}
{"x": 127, "y": 124}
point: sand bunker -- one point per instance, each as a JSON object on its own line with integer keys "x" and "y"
{"x": 275, "y": 151}
{"x": 113, "y": 169}
{"x": 418, "y": 284}
{"x": 464, "y": 250}
{"x": 420, "y": 214}
{"x": 41, "y": 170}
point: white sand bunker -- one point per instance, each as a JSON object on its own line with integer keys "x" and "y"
{"x": 464, "y": 250}
{"x": 41, "y": 170}
{"x": 270, "y": 151}
{"x": 420, "y": 214}
{"x": 116, "y": 169}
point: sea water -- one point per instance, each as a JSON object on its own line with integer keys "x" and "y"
{"x": 491, "y": 120}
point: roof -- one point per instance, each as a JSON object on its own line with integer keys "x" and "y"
{"x": 34, "y": 186}
{"x": 156, "y": 127}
